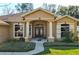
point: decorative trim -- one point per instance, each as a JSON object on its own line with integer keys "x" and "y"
{"x": 75, "y": 19}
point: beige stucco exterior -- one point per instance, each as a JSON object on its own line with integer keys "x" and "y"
{"x": 4, "y": 33}
{"x": 66, "y": 20}
{"x": 51, "y": 25}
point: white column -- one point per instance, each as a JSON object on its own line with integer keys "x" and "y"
{"x": 31, "y": 31}
{"x": 27, "y": 31}
{"x": 50, "y": 38}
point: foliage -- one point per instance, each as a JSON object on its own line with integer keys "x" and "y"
{"x": 69, "y": 37}
{"x": 61, "y": 44}
{"x": 24, "y": 7}
{"x": 60, "y": 48}
{"x": 16, "y": 39}
{"x": 56, "y": 51}
{"x": 50, "y": 7}
{"x": 70, "y": 10}
{"x": 62, "y": 11}
{"x": 16, "y": 46}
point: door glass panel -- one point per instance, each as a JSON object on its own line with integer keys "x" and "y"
{"x": 36, "y": 31}
{"x": 41, "y": 31}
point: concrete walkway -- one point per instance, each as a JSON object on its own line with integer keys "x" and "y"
{"x": 38, "y": 48}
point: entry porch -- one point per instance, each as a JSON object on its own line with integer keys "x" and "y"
{"x": 39, "y": 29}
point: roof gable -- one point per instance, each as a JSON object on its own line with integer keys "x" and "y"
{"x": 67, "y": 16}
{"x": 38, "y": 9}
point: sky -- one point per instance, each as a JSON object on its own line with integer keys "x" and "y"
{"x": 38, "y": 3}
{"x": 62, "y": 2}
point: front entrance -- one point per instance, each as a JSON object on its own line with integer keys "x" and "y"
{"x": 39, "y": 29}
{"x": 39, "y": 32}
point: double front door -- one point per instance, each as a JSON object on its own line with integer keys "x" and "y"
{"x": 39, "y": 32}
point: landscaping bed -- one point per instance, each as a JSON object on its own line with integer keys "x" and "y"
{"x": 16, "y": 46}
{"x": 60, "y": 49}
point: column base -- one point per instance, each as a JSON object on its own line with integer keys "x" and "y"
{"x": 26, "y": 39}
{"x": 51, "y": 39}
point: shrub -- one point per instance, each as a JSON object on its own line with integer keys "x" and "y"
{"x": 69, "y": 37}
{"x": 22, "y": 39}
{"x": 56, "y": 44}
{"x": 12, "y": 40}
{"x": 17, "y": 46}
{"x": 16, "y": 39}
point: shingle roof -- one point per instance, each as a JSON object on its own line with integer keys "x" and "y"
{"x": 14, "y": 17}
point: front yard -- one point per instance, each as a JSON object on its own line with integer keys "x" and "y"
{"x": 60, "y": 49}
{"x": 16, "y": 46}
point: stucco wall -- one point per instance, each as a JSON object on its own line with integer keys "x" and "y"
{"x": 72, "y": 26}
{"x": 11, "y": 30}
{"x": 39, "y": 13}
{"x": 4, "y": 33}
{"x": 56, "y": 29}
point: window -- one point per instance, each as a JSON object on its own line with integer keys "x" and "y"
{"x": 64, "y": 28}
{"x": 18, "y": 30}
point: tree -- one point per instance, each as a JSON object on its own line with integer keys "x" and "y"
{"x": 50, "y": 7}
{"x": 70, "y": 10}
{"x": 24, "y": 7}
{"x": 8, "y": 11}
{"x": 62, "y": 10}
{"x": 73, "y": 11}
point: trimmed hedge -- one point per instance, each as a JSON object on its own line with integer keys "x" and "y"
{"x": 51, "y": 44}
{"x": 16, "y": 46}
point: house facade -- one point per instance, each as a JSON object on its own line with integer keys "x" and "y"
{"x": 38, "y": 23}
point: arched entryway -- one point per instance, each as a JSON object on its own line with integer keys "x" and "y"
{"x": 39, "y": 29}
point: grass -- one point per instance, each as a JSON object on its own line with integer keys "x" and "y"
{"x": 60, "y": 49}
{"x": 64, "y": 52}
{"x": 16, "y": 46}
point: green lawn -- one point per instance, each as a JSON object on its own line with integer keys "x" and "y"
{"x": 60, "y": 49}
{"x": 63, "y": 52}
{"x": 16, "y": 46}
